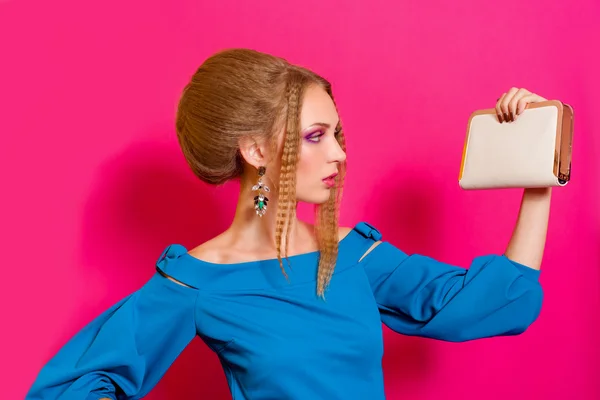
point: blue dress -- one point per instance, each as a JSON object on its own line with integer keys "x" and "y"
{"x": 276, "y": 339}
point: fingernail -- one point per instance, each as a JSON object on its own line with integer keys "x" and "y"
{"x": 499, "y": 118}
{"x": 506, "y": 117}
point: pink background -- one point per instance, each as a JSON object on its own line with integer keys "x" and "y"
{"x": 95, "y": 186}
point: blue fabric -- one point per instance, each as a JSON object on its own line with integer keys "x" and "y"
{"x": 275, "y": 338}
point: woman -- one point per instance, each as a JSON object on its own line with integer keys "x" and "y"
{"x": 309, "y": 328}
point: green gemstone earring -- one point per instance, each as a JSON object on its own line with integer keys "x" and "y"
{"x": 260, "y": 201}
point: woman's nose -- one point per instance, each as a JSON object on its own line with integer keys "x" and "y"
{"x": 337, "y": 153}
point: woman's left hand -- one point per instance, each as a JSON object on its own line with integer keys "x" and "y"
{"x": 512, "y": 103}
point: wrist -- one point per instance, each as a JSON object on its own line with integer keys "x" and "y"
{"x": 540, "y": 193}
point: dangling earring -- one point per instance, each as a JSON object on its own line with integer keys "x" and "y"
{"x": 260, "y": 201}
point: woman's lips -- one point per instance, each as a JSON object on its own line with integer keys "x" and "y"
{"x": 330, "y": 180}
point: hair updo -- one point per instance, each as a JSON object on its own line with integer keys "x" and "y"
{"x": 245, "y": 93}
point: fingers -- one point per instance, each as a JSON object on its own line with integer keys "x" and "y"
{"x": 523, "y": 101}
{"x": 509, "y": 103}
{"x": 504, "y": 104}
{"x": 501, "y": 116}
{"x": 512, "y": 103}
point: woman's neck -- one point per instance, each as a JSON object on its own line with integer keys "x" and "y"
{"x": 249, "y": 230}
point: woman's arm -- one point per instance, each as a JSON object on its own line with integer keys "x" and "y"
{"x": 526, "y": 245}
{"x": 420, "y": 296}
{"x": 126, "y": 350}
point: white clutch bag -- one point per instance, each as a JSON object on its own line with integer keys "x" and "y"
{"x": 533, "y": 151}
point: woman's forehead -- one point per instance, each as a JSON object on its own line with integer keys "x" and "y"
{"x": 318, "y": 108}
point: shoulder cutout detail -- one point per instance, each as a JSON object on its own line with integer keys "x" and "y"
{"x": 171, "y": 266}
{"x": 368, "y": 231}
{"x": 173, "y": 279}
{"x": 370, "y": 249}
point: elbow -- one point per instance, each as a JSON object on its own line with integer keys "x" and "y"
{"x": 513, "y": 319}
{"x": 529, "y": 307}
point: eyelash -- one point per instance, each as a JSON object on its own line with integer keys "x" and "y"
{"x": 318, "y": 137}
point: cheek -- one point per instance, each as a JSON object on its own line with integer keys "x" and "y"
{"x": 308, "y": 163}
{"x": 311, "y": 166}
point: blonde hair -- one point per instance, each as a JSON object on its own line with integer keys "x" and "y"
{"x": 238, "y": 93}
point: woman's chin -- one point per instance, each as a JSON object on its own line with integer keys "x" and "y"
{"x": 317, "y": 198}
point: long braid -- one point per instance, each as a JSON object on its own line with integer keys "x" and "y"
{"x": 287, "y": 181}
{"x": 327, "y": 216}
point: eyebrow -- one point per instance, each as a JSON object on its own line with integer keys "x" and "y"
{"x": 321, "y": 124}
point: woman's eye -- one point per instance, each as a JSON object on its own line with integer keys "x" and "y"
{"x": 315, "y": 138}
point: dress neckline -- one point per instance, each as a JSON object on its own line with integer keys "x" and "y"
{"x": 199, "y": 261}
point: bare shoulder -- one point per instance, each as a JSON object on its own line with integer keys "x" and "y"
{"x": 210, "y": 251}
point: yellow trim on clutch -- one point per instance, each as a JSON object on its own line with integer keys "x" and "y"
{"x": 464, "y": 154}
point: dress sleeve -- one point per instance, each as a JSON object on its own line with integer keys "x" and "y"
{"x": 126, "y": 350}
{"x": 420, "y": 296}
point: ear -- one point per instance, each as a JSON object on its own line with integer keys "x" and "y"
{"x": 253, "y": 152}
